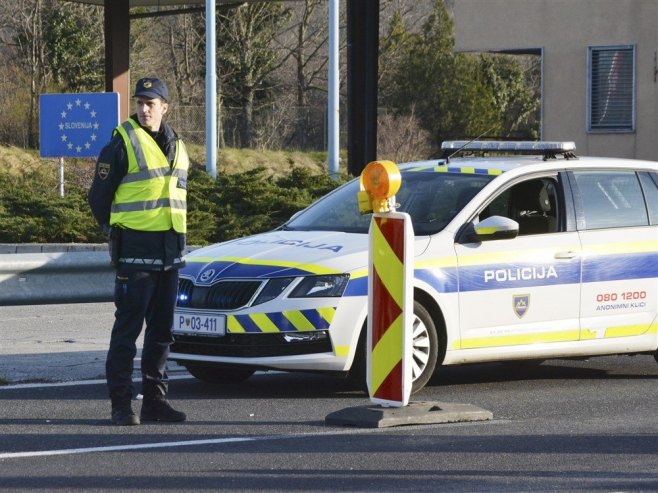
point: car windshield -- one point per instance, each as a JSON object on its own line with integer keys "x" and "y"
{"x": 431, "y": 198}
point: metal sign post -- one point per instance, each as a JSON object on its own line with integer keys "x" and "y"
{"x": 60, "y": 180}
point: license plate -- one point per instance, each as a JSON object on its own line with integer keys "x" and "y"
{"x": 199, "y": 323}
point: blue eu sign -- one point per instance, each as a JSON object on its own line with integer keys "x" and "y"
{"x": 77, "y": 125}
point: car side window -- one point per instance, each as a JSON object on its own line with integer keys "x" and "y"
{"x": 611, "y": 199}
{"x": 532, "y": 203}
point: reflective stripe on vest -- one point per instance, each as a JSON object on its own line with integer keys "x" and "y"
{"x": 152, "y": 195}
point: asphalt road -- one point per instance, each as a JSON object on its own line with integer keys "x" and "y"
{"x": 560, "y": 426}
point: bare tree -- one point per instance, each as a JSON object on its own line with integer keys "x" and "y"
{"x": 401, "y": 138}
{"x": 247, "y": 54}
{"x": 186, "y": 40}
{"x": 24, "y": 40}
{"x": 309, "y": 55}
{"x": 305, "y": 43}
{"x": 312, "y": 37}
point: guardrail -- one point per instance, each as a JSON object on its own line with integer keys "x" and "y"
{"x": 55, "y": 277}
{"x": 39, "y": 274}
{"x": 51, "y": 247}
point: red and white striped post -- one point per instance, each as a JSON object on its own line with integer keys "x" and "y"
{"x": 390, "y": 288}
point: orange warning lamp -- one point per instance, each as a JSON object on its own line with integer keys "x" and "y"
{"x": 379, "y": 181}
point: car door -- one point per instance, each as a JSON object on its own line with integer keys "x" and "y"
{"x": 618, "y": 226}
{"x": 524, "y": 290}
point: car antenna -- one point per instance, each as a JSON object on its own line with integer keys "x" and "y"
{"x": 467, "y": 143}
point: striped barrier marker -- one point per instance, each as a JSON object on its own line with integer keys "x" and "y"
{"x": 390, "y": 288}
{"x": 390, "y": 309}
{"x": 390, "y": 316}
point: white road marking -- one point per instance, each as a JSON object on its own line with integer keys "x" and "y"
{"x": 74, "y": 383}
{"x": 188, "y": 443}
{"x": 221, "y": 441}
{"x": 139, "y": 446}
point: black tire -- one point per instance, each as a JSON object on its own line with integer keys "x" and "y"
{"x": 358, "y": 372}
{"x": 218, "y": 375}
{"x": 425, "y": 348}
{"x": 655, "y": 355}
{"x": 425, "y": 352}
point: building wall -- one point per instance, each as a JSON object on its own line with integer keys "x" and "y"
{"x": 564, "y": 30}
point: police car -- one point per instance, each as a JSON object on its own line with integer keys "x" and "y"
{"x": 529, "y": 255}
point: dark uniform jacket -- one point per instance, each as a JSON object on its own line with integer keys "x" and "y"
{"x": 142, "y": 250}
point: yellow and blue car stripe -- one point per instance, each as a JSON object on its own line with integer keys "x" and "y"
{"x": 287, "y": 321}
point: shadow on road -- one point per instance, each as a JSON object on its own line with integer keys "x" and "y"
{"x": 603, "y": 368}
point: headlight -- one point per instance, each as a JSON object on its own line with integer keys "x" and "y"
{"x": 272, "y": 289}
{"x": 321, "y": 286}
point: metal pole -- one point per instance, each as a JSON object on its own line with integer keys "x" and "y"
{"x": 211, "y": 91}
{"x": 333, "y": 109}
{"x": 362, "y": 53}
{"x": 61, "y": 177}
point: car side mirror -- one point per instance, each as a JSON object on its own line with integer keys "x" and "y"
{"x": 492, "y": 228}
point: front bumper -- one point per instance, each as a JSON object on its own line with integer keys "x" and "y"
{"x": 253, "y": 345}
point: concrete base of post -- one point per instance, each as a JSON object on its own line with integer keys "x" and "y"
{"x": 416, "y": 413}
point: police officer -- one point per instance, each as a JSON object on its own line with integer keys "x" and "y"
{"x": 138, "y": 196}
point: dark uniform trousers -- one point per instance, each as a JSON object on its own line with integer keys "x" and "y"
{"x": 141, "y": 296}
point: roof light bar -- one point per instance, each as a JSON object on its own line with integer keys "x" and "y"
{"x": 527, "y": 147}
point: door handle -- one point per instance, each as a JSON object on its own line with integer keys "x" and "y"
{"x": 566, "y": 255}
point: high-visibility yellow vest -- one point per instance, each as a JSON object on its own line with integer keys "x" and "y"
{"x": 152, "y": 196}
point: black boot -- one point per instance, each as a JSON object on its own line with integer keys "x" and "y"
{"x": 122, "y": 413}
{"x": 157, "y": 408}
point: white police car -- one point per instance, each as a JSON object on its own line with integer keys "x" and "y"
{"x": 532, "y": 256}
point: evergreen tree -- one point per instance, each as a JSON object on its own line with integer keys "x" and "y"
{"x": 514, "y": 83}
{"x": 75, "y": 41}
{"x": 453, "y": 95}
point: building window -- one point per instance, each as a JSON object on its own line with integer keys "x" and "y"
{"x": 611, "y": 91}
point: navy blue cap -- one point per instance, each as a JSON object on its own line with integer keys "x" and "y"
{"x": 151, "y": 88}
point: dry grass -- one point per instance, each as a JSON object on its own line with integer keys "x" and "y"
{"x": 16, "y": 160}
{"x": 239, "y": 160}
{"x": 229, "y": 161}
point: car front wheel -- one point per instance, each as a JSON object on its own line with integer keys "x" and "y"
{"x": 424, "y": 351}
{"x": 424, "y": 348}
